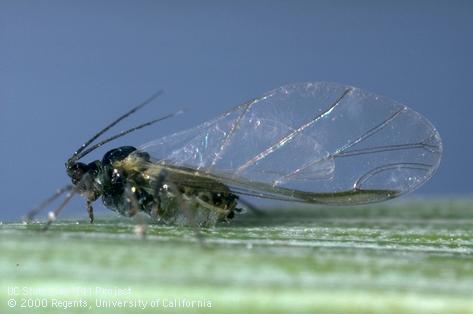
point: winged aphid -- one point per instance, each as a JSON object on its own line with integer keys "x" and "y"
{"x": 317, "y": 143}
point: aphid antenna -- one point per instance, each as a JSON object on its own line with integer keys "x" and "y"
{"x": 121, "y": 134}
{"x": 77, "y": 154}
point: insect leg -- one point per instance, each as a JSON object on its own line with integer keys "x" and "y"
{"x": 184, "y": 205}
{"x": 211, "y": 208}
{"x": 141, "y": 226}
{"x": 48, "y": 201}
{"x": 54, "y": 214}
{"x": 90, "y": 211}
{"x": 156, "y": 209}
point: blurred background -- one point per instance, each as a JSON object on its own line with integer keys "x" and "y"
{"x": 67, "y": 68}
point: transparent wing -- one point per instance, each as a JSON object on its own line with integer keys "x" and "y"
{"x": 313, "y": 142}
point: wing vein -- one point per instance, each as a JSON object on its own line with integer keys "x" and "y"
{"x": 231, "y": 132}
{"x": 381, "y": 149}
{"x": 361, "y": 138}
{"x": 289, "y": 136}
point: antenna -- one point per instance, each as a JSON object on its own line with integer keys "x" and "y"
{"x": 123, "y": 133}
{"x": 77, "y": 154}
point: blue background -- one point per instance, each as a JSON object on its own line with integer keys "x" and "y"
{"x": 69, "y": 67}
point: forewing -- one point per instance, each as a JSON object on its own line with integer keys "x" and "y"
{"x": 319, "y": 138}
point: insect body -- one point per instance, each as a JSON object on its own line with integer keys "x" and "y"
{"x": 128, "y": 182}
{"x": 319, "y": 143}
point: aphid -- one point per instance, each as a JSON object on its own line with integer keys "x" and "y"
{"x": 320, "y": 143}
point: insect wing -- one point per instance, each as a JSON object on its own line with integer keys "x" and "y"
{"x": 311, "y": 141}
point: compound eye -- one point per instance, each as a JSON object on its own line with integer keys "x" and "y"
{"x": 77, "y": 171}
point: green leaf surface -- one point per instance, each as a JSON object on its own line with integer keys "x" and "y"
{"x": 412, "y": 257}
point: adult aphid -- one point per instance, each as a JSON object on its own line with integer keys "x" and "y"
{"x": 320, "y": 143}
